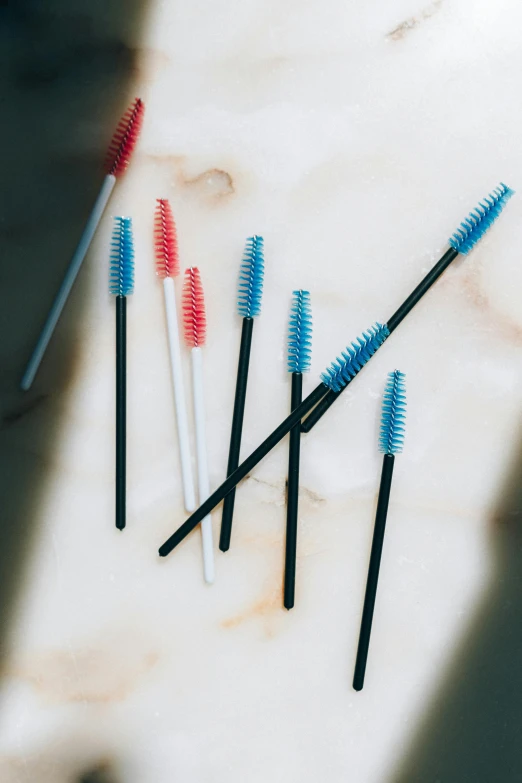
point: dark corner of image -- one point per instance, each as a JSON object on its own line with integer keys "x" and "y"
{"x": 471, "y": 731}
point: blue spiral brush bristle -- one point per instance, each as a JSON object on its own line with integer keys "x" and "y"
{"x": 121, "y": 275}
{"x": 300, "y": 333}
{"x": 250, "y": 290}
{"x": 479, "y": 220}
{"x": 391, "y": 439}
{"x": 353, "y": 359}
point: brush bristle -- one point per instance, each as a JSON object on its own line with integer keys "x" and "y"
{"x": 194, "y": 316}
{"x": 391, "y": 439}
{"x": 165, "y": 240}
{"x": 124, "y": 139}
{"x": 250, "y": 290}
{"x": 473, "y": 228}
{"x": 353, "y": 359}
{"x": 300, "y": 333}
{"x": 121, "y": 276}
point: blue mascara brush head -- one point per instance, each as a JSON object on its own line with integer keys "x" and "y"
{"x": 391, "y": 439}
{"x": 121, "y": 274}
{"x": 353, "y": 359}
{"x": 479, "y": 220}
{"x": 300, "y": 333}
{"x": 251, "y": 274}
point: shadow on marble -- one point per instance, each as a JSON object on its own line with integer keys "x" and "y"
{"x": 472, "y": 730}
{"x": 66, "y": 73}
{"x": 59, "y": 766}
{"x": 102, "y": 773}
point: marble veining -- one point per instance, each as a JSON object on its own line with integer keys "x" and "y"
{"x": 354, "y": 138}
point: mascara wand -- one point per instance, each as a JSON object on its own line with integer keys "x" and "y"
{"x": 390, "y": 443}
{"x": 121, "y": 285}
{"x": 249, "y": 307}
{"x": 462, "y": 241}
{"x": 349, "y": 364}
{"x": 346, "y": 366}
{"x": 116, "y": 161}
{"x": 195, "y": 328}
{"x": 299, "y": 356}
{"x": 167, "y": 268}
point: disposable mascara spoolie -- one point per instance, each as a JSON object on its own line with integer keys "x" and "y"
{"x": 344, "y": 369}
{"x": 249, "y": 307}
{"x": 471, "y": 230}
{"x": 299, "y": 356}
{"x": 167, "y": 268}
{"x": 195, "y": 330}
{"x": 116, "y": 162}
{"x": 121, "y": 285}
{"x": 390, "y": 443}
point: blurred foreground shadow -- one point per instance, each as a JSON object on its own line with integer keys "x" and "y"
{"x": 102, "y": 773}
{"x": 66, "y": 73}
{"x": 473, "y": 729}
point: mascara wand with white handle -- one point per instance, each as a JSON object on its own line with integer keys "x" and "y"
{"x": 167, "y": 267}
{"x": 195, "y": 328}
{"x": 117, "y": 160}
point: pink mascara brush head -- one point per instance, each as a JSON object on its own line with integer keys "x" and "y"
{"x": 125, "y": 139}
{"x": 194, "y": 316}
{"x": 165, "y": 241}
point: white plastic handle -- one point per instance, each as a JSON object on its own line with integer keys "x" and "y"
{"x": 201, "y": 451}
{"x": 68, "y": 281}
{"x": 179, "y": 394}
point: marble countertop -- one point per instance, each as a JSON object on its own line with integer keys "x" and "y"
{"x": 354, "y": 138}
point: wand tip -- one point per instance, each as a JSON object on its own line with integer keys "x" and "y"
{"x": 480, "y": 220}
{"x": 193, "y": 303}
{"x": 165, "y": 240}
{"x": 251, "y": 276}
{"x": 125, "y": 139}
{"x": 300, "y": 333}
{"x": 121, "y": 274}
{"x": 391, "y": 439}
{"x": 354, "y": 357}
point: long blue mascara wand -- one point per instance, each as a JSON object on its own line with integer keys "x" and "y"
{"x": 390, "y": 443}
{"x": 349, "y": 364}
{"x": 470, "y": 231}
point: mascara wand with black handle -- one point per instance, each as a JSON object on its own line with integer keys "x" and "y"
{"x": 345, "y": 367}
{"x": 299, "y": 356}
{"x": 121, "y": 284}
{"x": 390, "y": 443}
{"x": 351, "y": 362}
{"x": 249, "y": 307}
{"x": 471, "y": 230}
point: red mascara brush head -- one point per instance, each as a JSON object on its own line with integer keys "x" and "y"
{"x": 194, "y": 317}
{"x": 124, "y": 139}
{"x": 165, "y": 240}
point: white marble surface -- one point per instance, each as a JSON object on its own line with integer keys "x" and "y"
{"x": 354, "y": 137}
